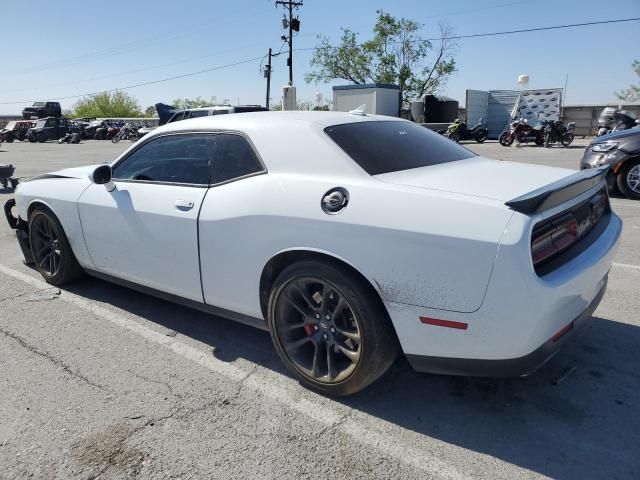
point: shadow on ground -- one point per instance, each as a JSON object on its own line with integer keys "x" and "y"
{"x": 587, "y": 426}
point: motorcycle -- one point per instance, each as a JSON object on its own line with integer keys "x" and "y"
{"x": 458, "y": 130}
{"x": 521, "y": 132}
{"x": 126, "y": 132}
{"x": 112, "y": 132}
{"x": 70, "y": 138}
{"x": 556, "y": 131}
{"x": 612, "y": 120}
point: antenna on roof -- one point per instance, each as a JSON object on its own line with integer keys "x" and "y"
{"x": 361, "y": 110}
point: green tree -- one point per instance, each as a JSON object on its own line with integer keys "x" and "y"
{"x": 396, "y": 54}
{"x": 193, "y": 102}
{"x": 107, "y": 104}
{"x": 150, "y": 111}
{"x": 631, "y": 94}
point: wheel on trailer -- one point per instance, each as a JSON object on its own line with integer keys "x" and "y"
{"x": 52, "y": 254}
{"x": 330, "y": 328}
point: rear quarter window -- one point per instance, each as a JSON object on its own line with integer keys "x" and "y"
{"x": 391, "y": 146}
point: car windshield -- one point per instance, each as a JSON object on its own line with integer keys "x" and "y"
{"x": 391, "y": 146}
{"x": 41, "y": 123}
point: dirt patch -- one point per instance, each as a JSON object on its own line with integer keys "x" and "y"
{"x": 108, "y": 449}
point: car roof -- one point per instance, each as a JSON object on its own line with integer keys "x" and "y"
{"x": 288, "y": 142}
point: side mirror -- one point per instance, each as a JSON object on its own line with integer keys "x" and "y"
{"x": 102, "y": 176}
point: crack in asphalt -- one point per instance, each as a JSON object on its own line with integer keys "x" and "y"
{"x": 47, "y": 356}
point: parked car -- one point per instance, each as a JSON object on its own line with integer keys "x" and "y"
{"x": 621, "y": 152}
{"x": 347, "y": 237}
{"x": 16, "y": 130}
{"x": 42, "y": 110}
{"x": 49, "y": 129}
{"x": 217, "y": 110}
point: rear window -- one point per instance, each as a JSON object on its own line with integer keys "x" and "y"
{"x": 383, "y": 147}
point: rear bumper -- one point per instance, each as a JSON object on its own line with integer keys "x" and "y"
{"x": 513, "y": 367}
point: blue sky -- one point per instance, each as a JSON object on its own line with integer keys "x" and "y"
{"x": 56, "y": 49}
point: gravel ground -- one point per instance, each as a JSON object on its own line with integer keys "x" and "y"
{"x": 98, "y": 381}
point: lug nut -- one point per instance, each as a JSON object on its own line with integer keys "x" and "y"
{"x": 327, "y": 316}
{"x": 317, "y": 315}
{"x": 315, "y": 327}
{"x": 325, "y": 336}
{"x": 333, "y": 330}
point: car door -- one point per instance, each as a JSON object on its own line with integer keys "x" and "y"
{"x": 146, "y": 229}
{"x": 227, "y": 225}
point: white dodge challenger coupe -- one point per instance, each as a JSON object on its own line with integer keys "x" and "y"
{"x": 348, "y": 237}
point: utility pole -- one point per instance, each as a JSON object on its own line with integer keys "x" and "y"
{"x": 294, "y": 26}
{"x": 267, "y": 74}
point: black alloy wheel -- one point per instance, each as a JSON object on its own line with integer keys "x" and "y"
{"x": 52, "y": 254}
{"x": 330, "y": 327}
{"x": 45, "y": 245}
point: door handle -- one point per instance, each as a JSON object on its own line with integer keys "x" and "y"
{"x": 183, "y": 204}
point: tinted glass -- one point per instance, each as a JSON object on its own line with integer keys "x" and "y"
{"x": 383, "y": 147}
{"x": 177, "y": 117}
{"x": 220, "y": 112}
{"x": 234, "y": 158}
{"x": 174, "y": 158}
{"x": 199, "y": 113}
{"x": 249, "y": 109}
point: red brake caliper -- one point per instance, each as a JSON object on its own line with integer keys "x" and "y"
{"x": 309, "y": 329}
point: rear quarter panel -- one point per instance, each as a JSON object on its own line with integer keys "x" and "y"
{"x": 415, "y": 246}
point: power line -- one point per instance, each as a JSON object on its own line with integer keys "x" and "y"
{"x": 153, "y": 82}
{"x": 476, "y": 35}
{"x": 538, "y": 29}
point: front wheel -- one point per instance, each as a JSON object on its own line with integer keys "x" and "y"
{"x": 52, "y": 253}
{"x": 116, "y": 139}
{"x": 481, "y": 136}
{"x": 330, "y": 328}
{"x": 455, "y": 136}
{"x": 505, "y": 139}
{"x": 8, "y": 137}
{"x": 629, "y": 179}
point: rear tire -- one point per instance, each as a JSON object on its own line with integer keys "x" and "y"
{"x": 567, "y": 139}
{"x": 42, "y": 137}
{"x": 53, "y": 256}
{"x": 481, "y": 136}
{"x": 330, "y": 328}
{"x": 629, "y": 179}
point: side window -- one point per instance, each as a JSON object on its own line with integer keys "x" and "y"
{"x": 177, "y": 117}
{"x": 220, "y": 112}
{"x": 234, "y": 158}
{"x": 50, "y": 123}
{"x": 174, "y": 158}
{"x": 199, "y": 113}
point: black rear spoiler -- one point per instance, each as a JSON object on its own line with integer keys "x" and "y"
{"x": 559, "y": 191}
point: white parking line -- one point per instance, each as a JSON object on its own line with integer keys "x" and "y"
{"x": 616, "y": 204}
{"x": 626, "y": 265}
{"x": 271, "y": 385}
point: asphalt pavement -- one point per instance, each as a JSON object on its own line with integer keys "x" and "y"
{"x": 98, "y": 381}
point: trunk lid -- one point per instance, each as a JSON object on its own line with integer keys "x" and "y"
{"x": 479, "y": 177}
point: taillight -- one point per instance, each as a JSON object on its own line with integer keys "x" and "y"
{"x": 553, "y": 237}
